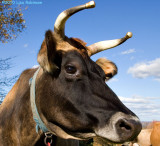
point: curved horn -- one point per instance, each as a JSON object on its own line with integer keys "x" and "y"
{"x": 104, "y": 45}
{"x": 59, "y": 25}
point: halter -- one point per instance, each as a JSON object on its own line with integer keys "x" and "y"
{"x": 36, "y": 117}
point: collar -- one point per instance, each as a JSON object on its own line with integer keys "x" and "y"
{"x": 36, "y": 116}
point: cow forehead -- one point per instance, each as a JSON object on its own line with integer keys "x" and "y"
{"x": 72, "y": 44}
{"x": 65, "y": 46}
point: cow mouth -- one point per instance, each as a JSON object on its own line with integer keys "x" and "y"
{"x": 102, "y": 141}
{"x": 67, "y": 134}
{"x": 120, "y": 128}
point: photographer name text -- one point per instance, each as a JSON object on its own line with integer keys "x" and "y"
{"x": 23, "y": 2}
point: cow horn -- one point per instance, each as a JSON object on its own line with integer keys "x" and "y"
{"x": 59, "y": 25}
{"x": 104, "y": 45}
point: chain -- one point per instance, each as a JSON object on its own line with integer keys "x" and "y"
{"x": 48, "y": 139}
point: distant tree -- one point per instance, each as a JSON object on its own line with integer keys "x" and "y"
{"x": 11, "y": 20}
{"x": 5, "y": 65}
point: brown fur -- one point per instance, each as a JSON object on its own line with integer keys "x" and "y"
{"x": 10, "y": 133}
{"x": 144, "y": 137}
{"x": 155, "y": 135}
{"x": 21, "y": 117}
{"x": 108, "y": 67}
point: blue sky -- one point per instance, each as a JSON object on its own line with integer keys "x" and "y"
{"x": 138, "y": 60}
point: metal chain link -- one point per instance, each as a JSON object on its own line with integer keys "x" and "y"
{"x": 48, "y": 139}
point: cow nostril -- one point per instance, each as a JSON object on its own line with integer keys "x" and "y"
{"x": 124, "y": 129}
{"x": 124, "y": 126}
{"x": 127, "y": 129}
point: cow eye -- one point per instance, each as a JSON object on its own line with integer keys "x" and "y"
{"x": 70, "y": 69}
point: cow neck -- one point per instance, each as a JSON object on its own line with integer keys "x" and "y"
{"x": 36, "y": 116}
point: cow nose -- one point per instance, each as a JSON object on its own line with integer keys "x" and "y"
{"x": 121, "y": 127}
{"x": 128, "y": 128}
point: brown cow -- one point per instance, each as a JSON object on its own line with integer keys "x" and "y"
{"x": 67, "y": 95}
{"x": 148, "y": 137}
{"x": 143, "y": 138}
{"x": 155, "y": 135}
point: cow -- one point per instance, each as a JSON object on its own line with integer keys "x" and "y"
{"x": 155, "y": 135}
{"x": 149, "y": 136}
{"x": 143, "y": 138}
{"x": 67, "y": 96}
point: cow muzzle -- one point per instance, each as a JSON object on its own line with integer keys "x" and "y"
{"x": 120, "y": 128}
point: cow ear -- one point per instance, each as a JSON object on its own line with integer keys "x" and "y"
{"x": 108, "y": 67}
{"x": 47, "y": 54}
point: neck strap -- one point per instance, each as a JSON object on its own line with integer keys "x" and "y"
{"x": 36, "y": 117}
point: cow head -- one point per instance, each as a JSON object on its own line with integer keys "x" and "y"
{"x": 72, "y": 97}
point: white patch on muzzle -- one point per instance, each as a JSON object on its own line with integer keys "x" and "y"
{"x": 109, "y": 131}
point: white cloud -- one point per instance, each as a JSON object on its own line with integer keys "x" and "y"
{"x": 113, "y": 80}
{"x": 145, "y": 107}
{"x": 157, "y": 79}
{"x": 128, "y": 51}
{"x": 133, "y": 100}
{"x": 25, "y": 45}
{"x": 35, "y": 66}
{"x": 146, "y": 69}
